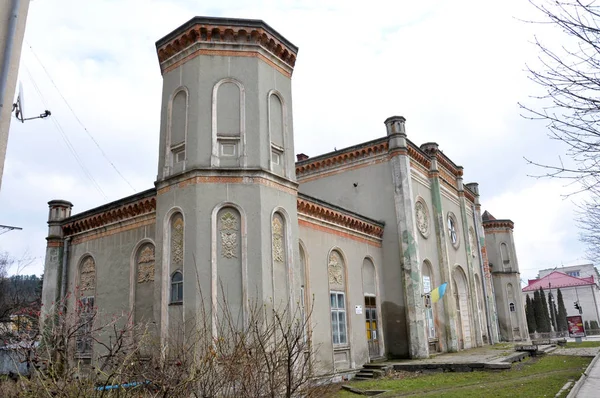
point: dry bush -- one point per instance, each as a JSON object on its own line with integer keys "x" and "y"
{"x": 268, "y": 354}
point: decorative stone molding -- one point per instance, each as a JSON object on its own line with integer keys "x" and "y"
{"x": 146, "y": 265}
{"x": 335, "y": 269}
{"x": 227, "y": 33}
{"x": 339, "y": 158}
{"x": 469, "y": 195}
{"x": 177, "y": 240}
{"x": 87, "y": 275}
{"x": 422, "y": 217}
{"x": 448, "y": 164}
{"x": 498, "y": 224}
{"x": 229, "y": 227}
{"x": 278, "y": 249}
{"x": 122, "y": 210}
{"x": 418, "y": 155}
{"x": 310, "y": 207}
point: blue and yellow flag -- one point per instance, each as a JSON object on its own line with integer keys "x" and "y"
{"x": 437, "y": 293}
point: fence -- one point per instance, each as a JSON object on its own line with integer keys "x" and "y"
{"x": 559, "y": 335}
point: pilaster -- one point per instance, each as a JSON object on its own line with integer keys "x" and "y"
{"x": 488, "y": 285}
{"x": 470, "y": 266}
{"x": 450, "y": 321}
{"x": 407, "y": 230}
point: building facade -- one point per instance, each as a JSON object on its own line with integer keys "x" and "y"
{"x": 578, "y": 284}
{"x": 361, "y": 235}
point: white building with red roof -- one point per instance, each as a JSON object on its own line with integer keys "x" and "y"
{"x": 578, "y": 284}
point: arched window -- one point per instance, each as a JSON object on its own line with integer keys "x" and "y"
{"x": 504, "y": 254}
{"x": 453, "y": 230}
{"x": 511, "y": 306}
{"x": 177, "y": 130}
{"x": 427, "y": 288}
{"x": 228, "y": 123}
{"x": 277, "y": 132}
{"x": 176, "y": 257}
{"x": 337, "y": 298}
{"x": 86, "y": 306}
{"x": 177, "y": 287}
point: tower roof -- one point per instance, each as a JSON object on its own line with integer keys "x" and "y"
{"x": 557, "y": 279}
{"x": 487, "y": 216}
{"x": 232, "y": 34}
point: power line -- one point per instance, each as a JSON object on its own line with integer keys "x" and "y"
{"x": 79, "y": 121}
{"x": 66, "y": 139}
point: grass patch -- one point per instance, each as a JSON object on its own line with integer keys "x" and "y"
{"x": 583, "y": 344}
{"x": 536, "y": 377}
{"x": 503, "y": 346}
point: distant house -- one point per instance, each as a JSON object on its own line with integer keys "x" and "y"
{"x": 578, "y": 284}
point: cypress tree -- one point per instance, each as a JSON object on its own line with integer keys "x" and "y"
{"x": 530, "y": 315}
{"x": 552, "y": 313}
{"x": 556, "y": 321}
{"x": 562, "y": 313}
{"x": 538, "y": 312}
{"x": 545, "y": 314}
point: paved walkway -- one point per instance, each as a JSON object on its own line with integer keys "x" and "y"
{"x": 590, "y": 388}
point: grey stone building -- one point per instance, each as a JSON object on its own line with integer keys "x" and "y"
{"x": 504, "y": 267}
{"x": 366, "y": 232}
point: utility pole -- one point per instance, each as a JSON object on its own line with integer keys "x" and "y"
{"x": 13, "y": 17}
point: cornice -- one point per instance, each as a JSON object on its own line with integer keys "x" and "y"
{"x": 323, "y": 211}
{"x": 333, "y": 160}
{"x": 496, "y": 224}
{"x": 227, "y": 31}
{"x": 469, "y": 195}
{"x": 445, "y": 161}
{"x": 418, "y": 155}
{"x": 118, "y": 211}
{"x": 226, "y": 176}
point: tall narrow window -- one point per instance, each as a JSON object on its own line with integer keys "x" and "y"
{"x": 177, "y": 287}
{"x": 86, "y": 306}
{"x": 338, "y": 317}
{"x": 178, "y": 130}
{"x": 337, "y": 286}
{"x": 504, "y": 254}
{"x": 276, "y": 132}
{"x": 228, "y": 123}
{"x": 177, "y": 257}
{"x": 427, "y": 287}
{"x": 86, "y": 320}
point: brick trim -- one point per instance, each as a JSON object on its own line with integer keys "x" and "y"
{"x": 313, "y": 224}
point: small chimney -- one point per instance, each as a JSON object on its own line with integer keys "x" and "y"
{"x": 301, "y": 156}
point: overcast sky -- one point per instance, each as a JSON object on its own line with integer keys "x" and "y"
{"x": 454, "y": 69}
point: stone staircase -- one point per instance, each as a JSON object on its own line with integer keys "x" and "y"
{"x": 371, "y": 371}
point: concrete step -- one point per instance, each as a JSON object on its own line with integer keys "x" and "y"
{"x": 379, "y": 366}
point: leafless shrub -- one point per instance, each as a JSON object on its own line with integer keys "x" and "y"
{"x": 267, "y": 354}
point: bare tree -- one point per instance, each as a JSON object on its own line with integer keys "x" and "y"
{"x": 218, "y": 354}
{"x": 20, "y": 296}
{"x": 570, "y": 77}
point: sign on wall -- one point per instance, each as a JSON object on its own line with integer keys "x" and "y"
{"x": 575, "y": 323}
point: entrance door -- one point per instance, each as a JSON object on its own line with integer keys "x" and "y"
{"x": 371, "y": 325}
